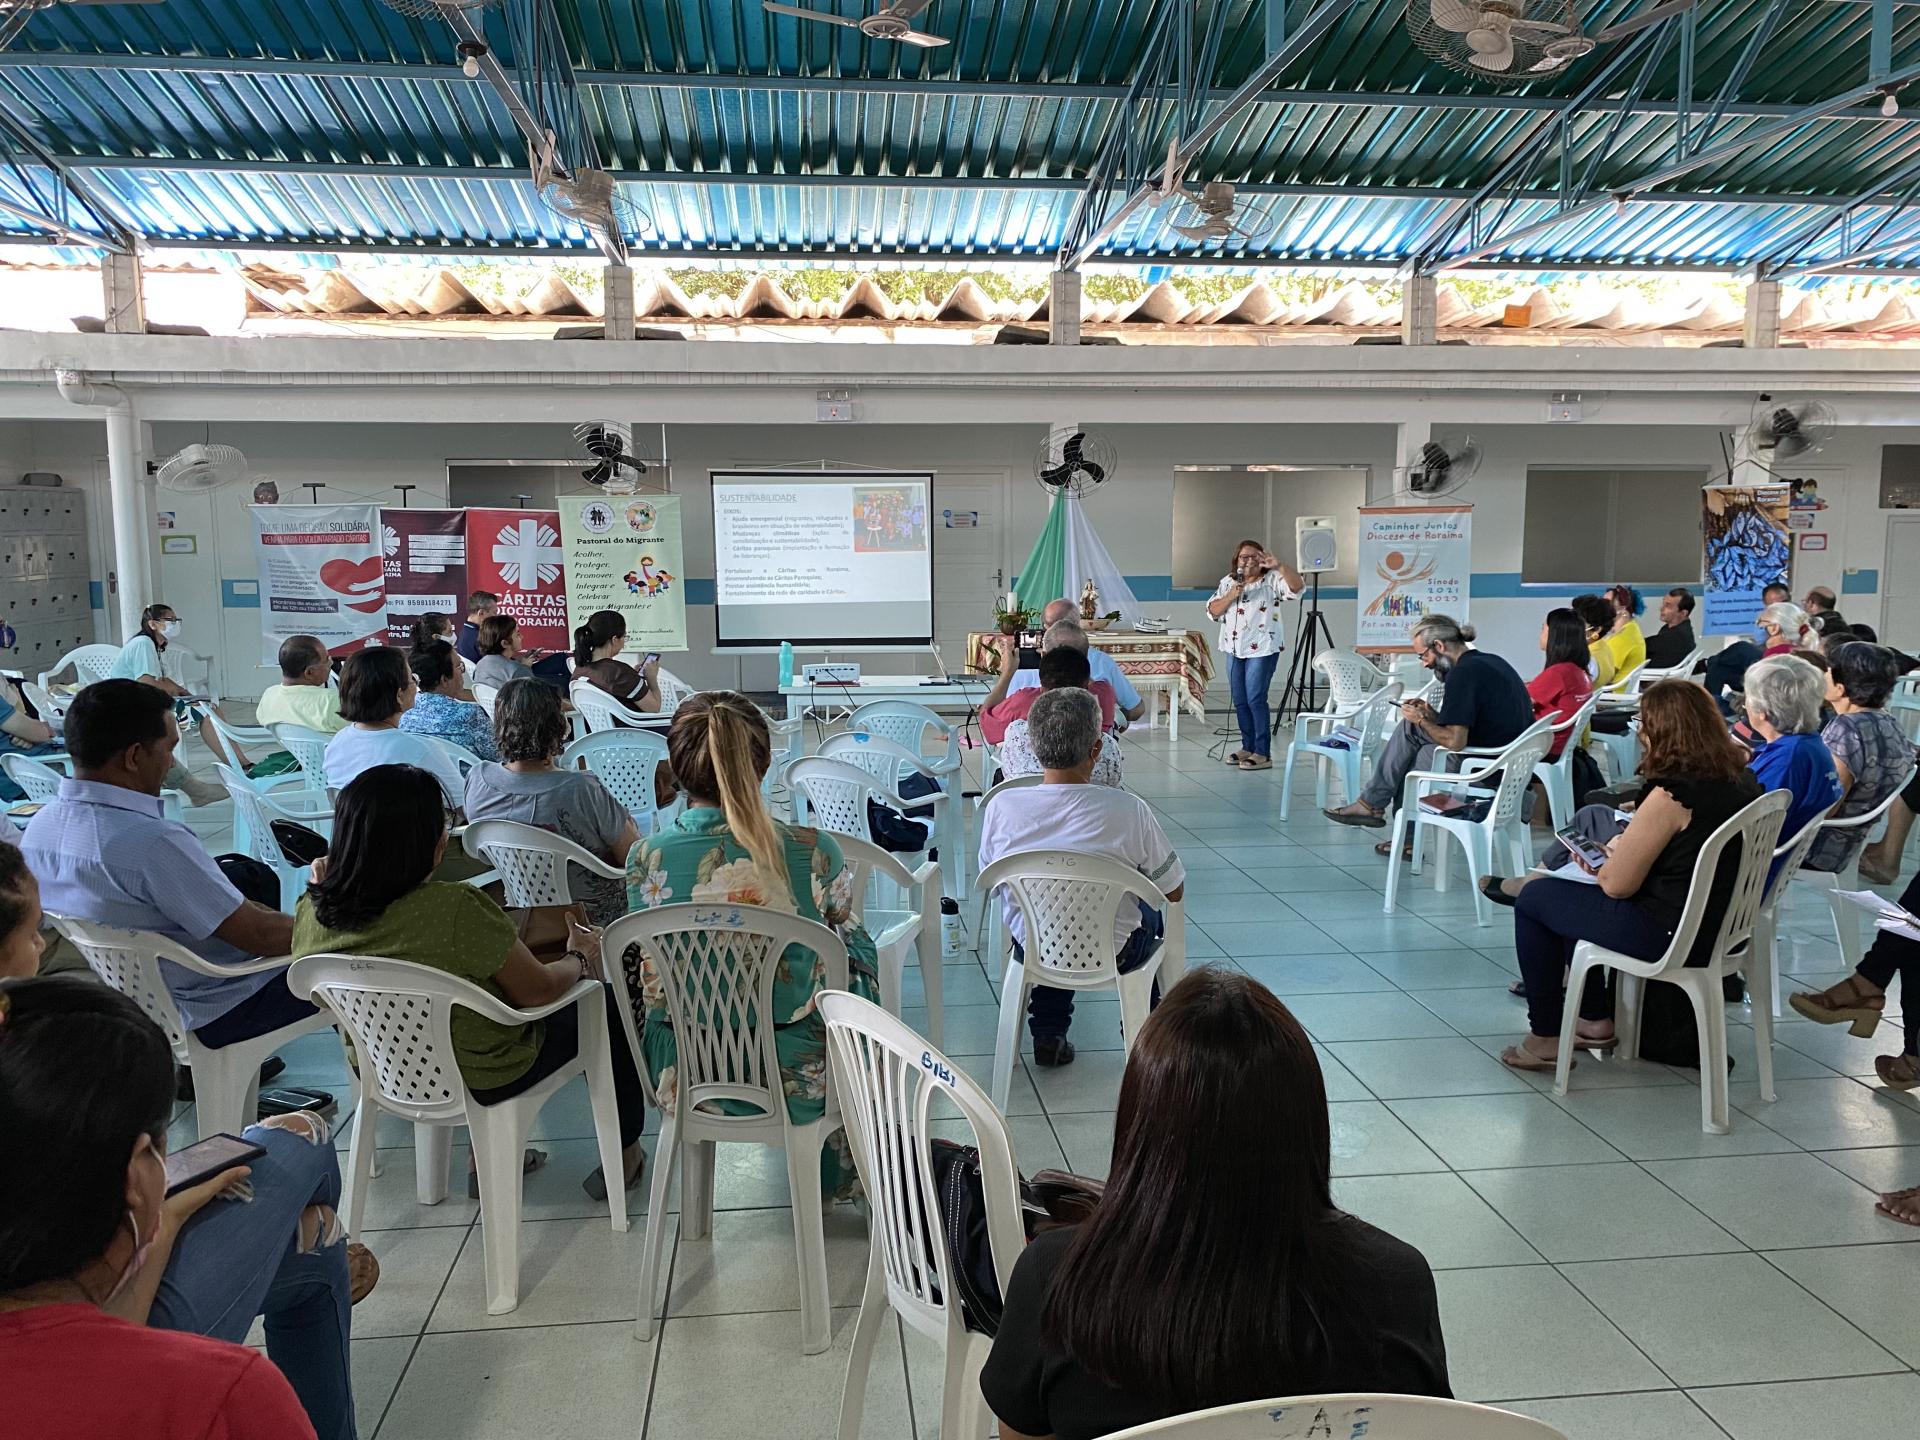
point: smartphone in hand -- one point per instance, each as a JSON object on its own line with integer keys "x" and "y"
{"x": 1583, "y": 848}
{"x": 200, "y": 1162}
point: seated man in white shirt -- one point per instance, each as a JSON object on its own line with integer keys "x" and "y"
{"x": 1062, "y": 621}
{"x": 304, "y": 696}
{"x": 1066, "y": 811}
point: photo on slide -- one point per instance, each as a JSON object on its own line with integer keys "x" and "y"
{"x": 889, "y": 518}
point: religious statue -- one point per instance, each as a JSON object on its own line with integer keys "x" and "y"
{"x": 1089, "y": 601}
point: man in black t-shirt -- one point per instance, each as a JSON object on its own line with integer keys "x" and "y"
{"x": 1674, "y": 641}
{"x": 1485, "y": 706}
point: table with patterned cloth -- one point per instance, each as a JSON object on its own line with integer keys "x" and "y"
{"x": 1174, "y": 667}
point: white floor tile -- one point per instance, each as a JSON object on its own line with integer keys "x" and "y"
{"x": 1484, "y": 1132}
{"x": 1599, "y": 1212}
{"x": 570, "y": 1271}
{"x": 1417, "y": 1069}
{"x": 1838, "y": 1114}
{"x": 1777, "y": 1201}
{"x": 377, "y": 1365}
{"x": 584, "y": 1381}
{"x": 1525, "y": 1332}
{"x": 1369, "y": 1139}
{"x": 1438, "y": 1215}
{"x": 1881, "y": 1405}
{"x": 1874, "y": 1287}
{"x": 749, "y": 1263}
{"x": 415, "y": 1266}
{"x": 1667, "y": 1414}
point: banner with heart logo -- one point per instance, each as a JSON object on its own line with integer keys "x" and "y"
{"x": 516, "y": 555}
{"x": 321, "y": 574}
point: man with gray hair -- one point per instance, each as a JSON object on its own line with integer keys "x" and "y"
{"x": 1062, "y": 621}
{"x": 1485, "y": 704}
{"x": 1065, "y": 811}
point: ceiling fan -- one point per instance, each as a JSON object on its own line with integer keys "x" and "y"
{"x": 894, "y": 22}
{"x": 1213, "y": 213}
{"x": 1515, "y": 38}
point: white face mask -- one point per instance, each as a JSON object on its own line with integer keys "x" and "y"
{"x": 142, "y": 1248}
{"x": 170, "y": 629}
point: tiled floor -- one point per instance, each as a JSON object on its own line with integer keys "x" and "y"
{"x": 1602, "y": 1264}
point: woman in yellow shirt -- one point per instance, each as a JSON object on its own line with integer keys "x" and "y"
{"x": 1596, "y": 614}
{"x": 1626, "y": 646}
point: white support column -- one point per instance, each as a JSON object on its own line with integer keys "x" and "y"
{"x": 618, "y": 289}
{"x": 126, "y": 297}
{"x": 1762, "y": 331}
{"x": 131, "y": 520}
{"x": 1063, "y": 308}
{"x": 1420, "y": 310}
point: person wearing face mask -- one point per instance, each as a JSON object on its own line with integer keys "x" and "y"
{"x": 140, "y": 660}
{"x": 124, "y": 1305}
{"x": 1247, "y": 605}
{"x": 1726, "y": 670}
{"x": 1485, "y": 704}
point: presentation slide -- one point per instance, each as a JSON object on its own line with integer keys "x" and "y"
{"x": 822, "y": 559}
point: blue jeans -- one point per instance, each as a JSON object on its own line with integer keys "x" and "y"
{"x": 1248, "y": 681}
{"x": 240, "y": 1258}
{"x": 1050, "y": 1010}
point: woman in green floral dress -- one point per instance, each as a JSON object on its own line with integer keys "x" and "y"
{"x": 726, "y": 847}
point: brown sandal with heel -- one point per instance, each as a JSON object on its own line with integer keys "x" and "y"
{"x": 1898, "y": 1072}
{"x": 1848, "y": 1003}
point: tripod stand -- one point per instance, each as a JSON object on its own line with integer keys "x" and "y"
{"x": 1301, "y": 693}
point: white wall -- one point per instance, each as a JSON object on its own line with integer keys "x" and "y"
{"x": 358, "y": 460}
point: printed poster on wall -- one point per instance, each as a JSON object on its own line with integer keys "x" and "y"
{"x": 623, "y": 552}
{"x": 321, "y": 574}
{"x": 1413, "y": 560}
{"x": 1745, "y": 530}
{"x": 516, "y": 555}
{"x": 426, "y": 563}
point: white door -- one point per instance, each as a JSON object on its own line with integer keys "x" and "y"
{"x": 969, "y": 557}
{"x": 1900, "y": 586}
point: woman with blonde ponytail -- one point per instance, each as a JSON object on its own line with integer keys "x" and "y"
{"x": 726, "y": 847}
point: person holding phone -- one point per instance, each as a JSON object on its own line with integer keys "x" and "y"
{"x": 1252, "y": 634}
{"x": 1697, "y": 780}
{"x": 125, "y": 1299}
{"x": 596, "y": 659}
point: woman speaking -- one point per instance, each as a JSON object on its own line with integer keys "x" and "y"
{"x": 1247, "y": 605}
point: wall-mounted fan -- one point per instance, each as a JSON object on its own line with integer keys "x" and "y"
{"x": 1790, "y": 430}
{"x": 1074, "y": 462}
{"x": 894, "y": 22}
{"x": 1209, "y": 215}
{"x": 1516, "y": 39}
{"x": 200, "y": 467}
{"x": 609, "y": 443}
{"x": 1443, "y": 469}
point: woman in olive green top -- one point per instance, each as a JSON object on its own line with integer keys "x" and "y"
{"x": 374, "y": 896}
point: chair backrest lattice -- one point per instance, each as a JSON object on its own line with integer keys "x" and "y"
{"x": 1069, "y": 903}
{"x": 837, "y": 794}
{"x": 400, "y": 1016}
{"x": 129, "y": 961}
{"x": 626, "y": 762}
{"x": 1509, "y": 799}
{"x": 40, "y": 781}
{"x": 1351, "y": 678}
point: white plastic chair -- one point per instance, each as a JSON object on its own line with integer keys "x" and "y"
{"x": 887, "y": 1078}
{"x": 906, "y": 724}
{"x": 1351, "y": 679}
{"x": 236, "y": 737}
{"x": 599, "y": 711}
{"x": 1758, "y": 828}
{"x": 1372, "y": 719}
{"x": 309, "y": 750}
{"x": 464, "y": 760}
{"x": 48, "y": 706}
{"x": 896, "y": 932}
{"x": 226, "y": 1082}
{"x": 1681, "y": 669}
{"x": 1556, "y": 775}
{"x": 627, "y": 762}
{"x": 1766, "y": 921}
{"x": 1347, "y": 1417}
{"x": 1067, "y": 904}
{"x": 90, "y": 663}
{"x": 789, "y": 744}
{"x": 1504, "y": 821}
{"x": 253, "y": 815}
{"x": 531, "y": 863}
{"x": 1847, "y": 917}
{"x": 716, "y": 965}
{"x": 38, "y": 777}
{"x": 1015, "y": 782}
{"x": 672, "y": 691}
{"x": 890, "y": 764}
{"x": 1625, "y": 686}
{"x": 484, "y": 696}
{"x": 400, "y": 1016}
{"x": 1904, "y": 707}
{"x": 836, "y": 791}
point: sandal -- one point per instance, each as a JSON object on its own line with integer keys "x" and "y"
{"x": 1357, "y": 814}
{"x": 1518, "y": 987}
{"x": 1898, "y": 1072}
{"x": 596, "y": 1184}
{"x": 1847, "y": 1002}
{"x": 529, "y": 1162}
{"x": 1238, "y": 756}
{"x": 1901, "y": 1205}
{"x": 1518, "y": 1057}
{"x": 1493, "y": 887}
{"x": 1256, "y": 762}
{"x": 1385, "y": 848}
{"x": 363, "y": 1271}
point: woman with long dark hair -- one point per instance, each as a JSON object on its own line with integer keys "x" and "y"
{"x": 596, "y": 659}
{"x": 123, "y": 1308}
{"x": 375, "y": 894}
{"x": 1563, "y": 685}
{"x": 1216, "y": 1268}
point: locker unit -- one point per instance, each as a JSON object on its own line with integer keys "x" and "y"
{"x": 45, "y": 575}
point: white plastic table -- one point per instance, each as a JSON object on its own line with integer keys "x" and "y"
{"x": 963, "y": 694}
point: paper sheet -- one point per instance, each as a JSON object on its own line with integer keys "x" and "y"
{"x": 1894, "y": 919}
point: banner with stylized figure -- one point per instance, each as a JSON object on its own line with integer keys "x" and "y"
{"x": 1414, "y": 560}
{"x": 516, "y": 555}
{"x": 321, "y": 574}
{"x": 1744, "y": 529}
{"x": 426, "y": 561}
{"x": 624, "y": 553}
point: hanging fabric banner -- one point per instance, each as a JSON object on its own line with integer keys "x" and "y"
{"x": 1069, "y": 562}
{"x": 426, "y": 561}
{"x": 516, "y": 555}
{"x": 1414, "y": 560}
{"x": 623, "y": 552}
{"x": 320, "y": 574}
{"x": 1744, "y": 529}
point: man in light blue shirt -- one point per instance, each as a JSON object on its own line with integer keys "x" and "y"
{"x": 103, "y": 851}
{"x": 1062, "y": 615}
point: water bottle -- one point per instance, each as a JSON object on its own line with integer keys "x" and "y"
{"x": 951, "y": 938}
{"x": 786, "y": 663}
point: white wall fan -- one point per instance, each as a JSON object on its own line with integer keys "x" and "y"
{"x": 1209, "y": 215}
{"x": 894, "y": 22}
{"x": 1443, "y": 469}
{"x": 1790, "y": 430}
{"x": 199, "y": 468}
{"x": 1516, "y": 39}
